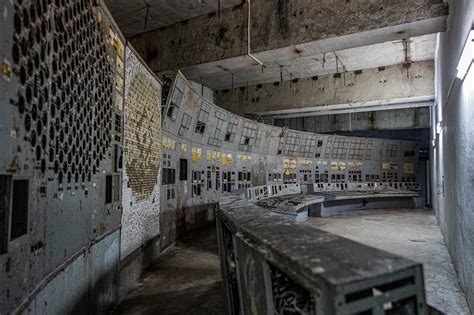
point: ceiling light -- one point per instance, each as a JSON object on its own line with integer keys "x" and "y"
{"x": 467, "y": 57}
{"x": 439, "y": 127}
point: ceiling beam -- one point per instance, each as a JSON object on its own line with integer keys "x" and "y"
{"x": 282, "y": 30}
{"x": 355, "y": 107}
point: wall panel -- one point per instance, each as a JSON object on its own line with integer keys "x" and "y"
{"x": 57, "y": 132}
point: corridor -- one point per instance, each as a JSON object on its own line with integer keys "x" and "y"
{"x": 185, "y": 280}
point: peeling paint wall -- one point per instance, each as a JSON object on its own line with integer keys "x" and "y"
{"x": 142, "y": 155}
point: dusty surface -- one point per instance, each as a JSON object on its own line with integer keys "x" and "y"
{"x": 413, "y": 234}
{"x": 290, "y": 203}
{"x": 186, "y": 280}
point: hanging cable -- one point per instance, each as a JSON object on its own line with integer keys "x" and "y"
{"x": 146, "y": 16}
{"x": 248, "y": 37}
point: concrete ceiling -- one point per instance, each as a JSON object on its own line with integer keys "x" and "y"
{"x": 138, "y": 16}
{"x": 242, "y": 71}
{"x": 296, "y": 61}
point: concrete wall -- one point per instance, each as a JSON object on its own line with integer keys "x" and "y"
{"x": 393, "y": 82}
{"x": 453, "y": 157}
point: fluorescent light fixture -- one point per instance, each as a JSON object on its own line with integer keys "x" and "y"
{"x": 467, "y": 57}
{"x": 439, "y": 127}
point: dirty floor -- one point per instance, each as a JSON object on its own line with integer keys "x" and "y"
{"x": 413, "y": 234}
{"x": 186, "y": 280}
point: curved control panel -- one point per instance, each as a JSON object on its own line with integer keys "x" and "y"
{"x": 209, "y": 152}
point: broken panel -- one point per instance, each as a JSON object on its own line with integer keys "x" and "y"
{"x": 185, "y": 124}
{"x": 216, "y": 138}
{"x": 231, "y": 129}
{"x": 203, "y": 118}
{"x": 175, "y": 103}
{"x": 248, "y": 137}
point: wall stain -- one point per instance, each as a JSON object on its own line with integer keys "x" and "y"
{"x": 282, "y": 15}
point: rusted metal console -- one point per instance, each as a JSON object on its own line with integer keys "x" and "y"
{"x": 271, "y": 265}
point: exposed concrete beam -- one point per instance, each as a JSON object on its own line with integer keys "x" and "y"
{"x": 225, "y": 74}
{"x": 137, "y": 16}
{"x": 391, "y": 86}
{"x": 357, "y": 107}
{"x": 409, "y": 118}
{"x": 284, "y": 29}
